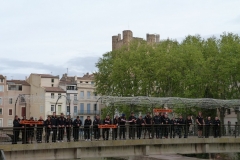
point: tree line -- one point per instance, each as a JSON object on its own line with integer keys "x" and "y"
{"x": 193, "y": 68}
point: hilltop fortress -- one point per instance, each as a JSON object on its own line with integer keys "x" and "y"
{"x": 117, "y": 42}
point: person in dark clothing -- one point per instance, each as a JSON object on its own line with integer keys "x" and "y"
{"x": 106, "y": 121}
{"x": 132, "y": 121}
{"x": 30, "y": 131}
{"x": 162, "y": 115}
{"x": 173, "y": 127}
{"x": 54, "y": 121}
{"x": 216, "y": 127}
{"x": 140, "y": 123}
{"x": 157, "y": 121}
{"x": 148, "y": 125}
{"x": 96, "y": 130}
{"x": 40, "y": 130}
{"x": 24, "y": 131}
{"x": 122, "y": 123}
{"x": 166, "y": 123}
{"x": 68, "y": 124}
{"x": 180, "y": 125}
{"x": 200, "y": 122}
{"x": 208, "y": 124}
{"x": 115, "y": 130}
{"x": 61, "y": 121}
{"x": 76, "y": 125}
{"x": 16, "y": 129}
{"x": 48, "y": 127}
{"x": 188, "y": 122}
{"x": 87, "y": 125}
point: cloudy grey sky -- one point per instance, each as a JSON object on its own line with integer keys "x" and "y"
{"x": 49, "y": 36}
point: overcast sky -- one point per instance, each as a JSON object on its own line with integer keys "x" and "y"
{"x": 49, "y": 36}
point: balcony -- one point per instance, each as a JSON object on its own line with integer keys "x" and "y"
{"x": 88, "y": 112}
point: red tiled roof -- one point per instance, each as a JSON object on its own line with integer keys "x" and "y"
{"x": 54, "y": 89}
{"x": 22, "y": 82}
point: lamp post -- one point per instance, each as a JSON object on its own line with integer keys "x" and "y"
{"x": 68, "y": 99}
{"x": 21, "y": 96}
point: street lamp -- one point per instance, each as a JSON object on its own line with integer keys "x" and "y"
{"x": 67, "y": 98}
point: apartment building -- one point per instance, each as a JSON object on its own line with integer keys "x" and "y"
{"x": 80, "y": 90}
{"x": 46, "y": 95}
{"x": 14, "y": 100}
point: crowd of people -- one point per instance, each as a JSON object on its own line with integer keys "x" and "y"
{"x": 158, "y": 126}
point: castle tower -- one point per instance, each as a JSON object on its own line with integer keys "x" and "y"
{"x": 157, "y": 38}
{"x": 127, "y": 37}
{"x": 114, "y": 42}
{"x": 151, "y": 38}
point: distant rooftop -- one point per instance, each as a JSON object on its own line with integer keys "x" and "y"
{"x": 22, "y": 82}
{"x": 46, "y": 75}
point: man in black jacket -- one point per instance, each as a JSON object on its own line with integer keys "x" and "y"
{"x": 40, "y": 129}
{"x": 96, "y": 130}
{"x": 173, "y": 127}
{"x": 69, "y": 124}
{"x": 115, "y": 130}
{"x": 54, "y": 123}
{"x": 208, "y": 124}
{"x": 87, "y": 125}
{"x": 106, "y": 121}
{"x": 76, "y": 125}
{"x": 16, "y": 129}
{"x": 166, "y": 123}
{"x": 61, "y": 126}
{"x": 157, "y": 121}
{"x": 140, "y": 123}
{"x": 132, "y": 121}
{"x": 216, "y": 127}
{"x": 122, "y": 122}
{"x": 180, "y": 125}
{"x": 148, "y": 124}
{"x": 48, "y": 128}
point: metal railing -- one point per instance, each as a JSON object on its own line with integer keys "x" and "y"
{"x": 10, "y": 135}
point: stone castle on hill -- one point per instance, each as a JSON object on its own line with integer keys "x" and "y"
{"x": 118, "y": 42}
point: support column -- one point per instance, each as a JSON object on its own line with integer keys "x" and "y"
{"x": 146, "y": 150}
{"x": 205, "y": 148}
{"x": 77, "y": 153}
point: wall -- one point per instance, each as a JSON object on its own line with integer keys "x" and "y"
{"x": 47, "y": 82}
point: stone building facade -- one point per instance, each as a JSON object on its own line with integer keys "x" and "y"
{"x": 118, "y": 42}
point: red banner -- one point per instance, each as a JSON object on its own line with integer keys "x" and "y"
{"x": 30, "y": 122}
{"x": 107, "y": 126}
{"x": 162, "y": 110}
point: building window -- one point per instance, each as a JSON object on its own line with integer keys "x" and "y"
{"x": 88, "y": 94}
{"x": 88, "y": 108}
{"x": 92, "y": 82}
{"x": 82, "y": 94}
{"x": 80, "y": 81}
{"x": 10, "y": 122}
{"x": 52, "y": 95}
{"x": 82, "y": 108}
{"x": 15, "y": 87}
{"x": 75, "y": 96}
{"x": 1, "y": 88}
{"x": 52, "y": 108}
{"x": 68, "y": 109}
{"x": 75, "y": 109}
{"x": 41, "y": 109}
{"x": 0, "y": 100}
{"x": 1, "y": 111}
{"x": 1, "y": 80}
{"x": 22, "y": 100}
{"x": 86, "y": 82}
{"x": 10, "y": 112}
{"x": 10, "y": 100}
{"x": 52, "y": 80}
{"x": 52, "y": 85}
{"x": 59, "y": 95}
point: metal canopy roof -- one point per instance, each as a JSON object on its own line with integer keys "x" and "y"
{"x": 170, "y": 102}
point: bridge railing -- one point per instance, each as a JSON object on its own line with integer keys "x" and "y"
{"x": 9, "y": 135}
